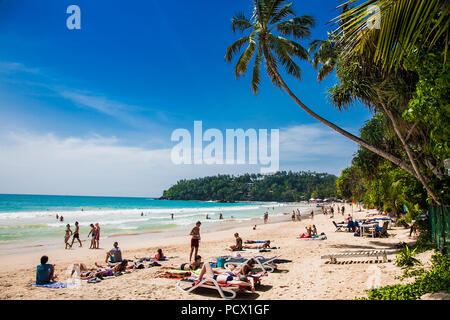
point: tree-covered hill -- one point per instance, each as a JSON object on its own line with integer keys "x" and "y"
{"x": 281, "y": 186}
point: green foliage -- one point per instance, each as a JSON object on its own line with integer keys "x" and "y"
{"x": 281, "y": 186}
{"x": 405, "y": 258}
{"x": 435, "y": 280}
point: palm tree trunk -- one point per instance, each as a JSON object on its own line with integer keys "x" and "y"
{"x": 346, "y": 134}
{"x": 409, "y": 152}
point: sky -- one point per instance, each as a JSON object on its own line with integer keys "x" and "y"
{"x": 91, "y": 111}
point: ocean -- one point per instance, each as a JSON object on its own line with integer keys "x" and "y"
{"x": 33, "y": 217}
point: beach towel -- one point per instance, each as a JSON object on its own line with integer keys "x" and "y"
{"x": 54, "y": 285}
{"x": 256, "y": 241}
{"x": 175, "y": 275}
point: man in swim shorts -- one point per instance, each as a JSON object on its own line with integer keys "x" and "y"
{"x": 76, "y": 234}
{"x": 195, "y": 240}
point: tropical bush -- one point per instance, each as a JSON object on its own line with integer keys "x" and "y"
{"x": 435, "y": 280}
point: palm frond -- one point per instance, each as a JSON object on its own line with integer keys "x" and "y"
{"x": 240, "y": 22}
{"x": 298, "y": 27}
{"x": 244, "y": 60}
{"x": 256, "y": 80}
{"x": 285, "y": 12}
{"x": 235, "y": 48}
{"x": 404, "y": 24}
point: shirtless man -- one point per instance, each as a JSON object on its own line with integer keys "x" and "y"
{"x": 238, "y": 245}
{"x": 76, "y": 234}
{"x": 195, "y": 240}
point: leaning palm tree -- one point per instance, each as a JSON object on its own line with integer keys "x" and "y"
{"x": 272, "y": 24}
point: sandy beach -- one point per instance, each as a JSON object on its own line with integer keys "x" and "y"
{"x": 306, "y": 277}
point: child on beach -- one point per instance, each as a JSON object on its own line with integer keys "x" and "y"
{"x": 195, "y": 240}
{"x": 76, "y": 234}
{"x": 67, "y": 236}
{"x": 45, "y": 273}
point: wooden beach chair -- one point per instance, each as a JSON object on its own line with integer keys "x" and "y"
{"x": 355, "y": 254}
{"x": 339, "y": 227}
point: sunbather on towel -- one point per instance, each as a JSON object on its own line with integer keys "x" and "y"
{"x": 227, "y": 276}
{"x": 45, "y": 273}
{"x": 265, "y": 245}
{"x": 101, "y": 271}
{"x": 188, "y": 266}
{"x": 238, "y": 245}
{"x": 159, "y": 256}
{"x": 308, "y": 233}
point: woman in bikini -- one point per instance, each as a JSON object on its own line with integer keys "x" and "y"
{"x": 241, "y": 276}
{"x": 265, "y": 245}
{"x": 67, "y": 236}
{"x": 159, "y": 256}
{"x": 92, "y": 234}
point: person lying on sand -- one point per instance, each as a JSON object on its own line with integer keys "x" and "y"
{"x": 265, "y": 245}
{"x": 231, "y": 276}
{"x": 238, "y": 245}
{"x": 188, "y": 266}
{"x": 101, "y": 271}
{"x": 159, "y": 256}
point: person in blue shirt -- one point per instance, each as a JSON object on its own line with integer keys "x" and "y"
{"x": 45, "y": 273}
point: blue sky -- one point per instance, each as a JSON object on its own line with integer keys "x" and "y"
{"x": 136, "y": 71}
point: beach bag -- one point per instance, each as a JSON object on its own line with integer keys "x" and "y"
{"x": 220, "y": 262}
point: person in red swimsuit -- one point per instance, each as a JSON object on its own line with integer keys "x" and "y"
{"x": 195, "y": 233}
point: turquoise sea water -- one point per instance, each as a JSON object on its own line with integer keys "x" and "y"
{"x": 33, "y": 217}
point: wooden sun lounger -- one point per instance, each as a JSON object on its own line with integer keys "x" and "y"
{"x": 354, "y": 254}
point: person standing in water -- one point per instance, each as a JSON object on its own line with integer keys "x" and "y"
{"x": 67, "y": 236}
{"x": 195, "y": 240}
{"x": 97, "y": 235}
{"x": 92, "y": 234}
{"x": 171, "y": 216}
{"x": 76, "y": 234}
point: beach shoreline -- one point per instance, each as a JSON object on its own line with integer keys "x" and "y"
{"x": 307, "y": 276}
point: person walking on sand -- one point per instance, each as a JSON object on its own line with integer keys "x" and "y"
{"x": 195, "y": 240}
{"x": 266, "y": 217}
{"x": 92, "y": 234}
{"x": 67, "y": 236}
{"x": 76, "y": 234}
{"x": 97, "y": 235}
{"x": 343, "y": 210}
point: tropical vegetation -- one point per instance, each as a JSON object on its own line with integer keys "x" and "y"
{"x": 392, "y": 58}
{"x": 281, "y": 186}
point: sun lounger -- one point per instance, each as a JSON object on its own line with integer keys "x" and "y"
{"x": 222, "y": 288}
{"x": 354, "y": 254}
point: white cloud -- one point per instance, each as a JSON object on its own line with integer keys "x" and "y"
{"x": 95, "y": 165}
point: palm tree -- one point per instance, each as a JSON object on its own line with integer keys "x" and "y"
{"x": 272, "y": 22}
{"x": 402, "y": 26}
